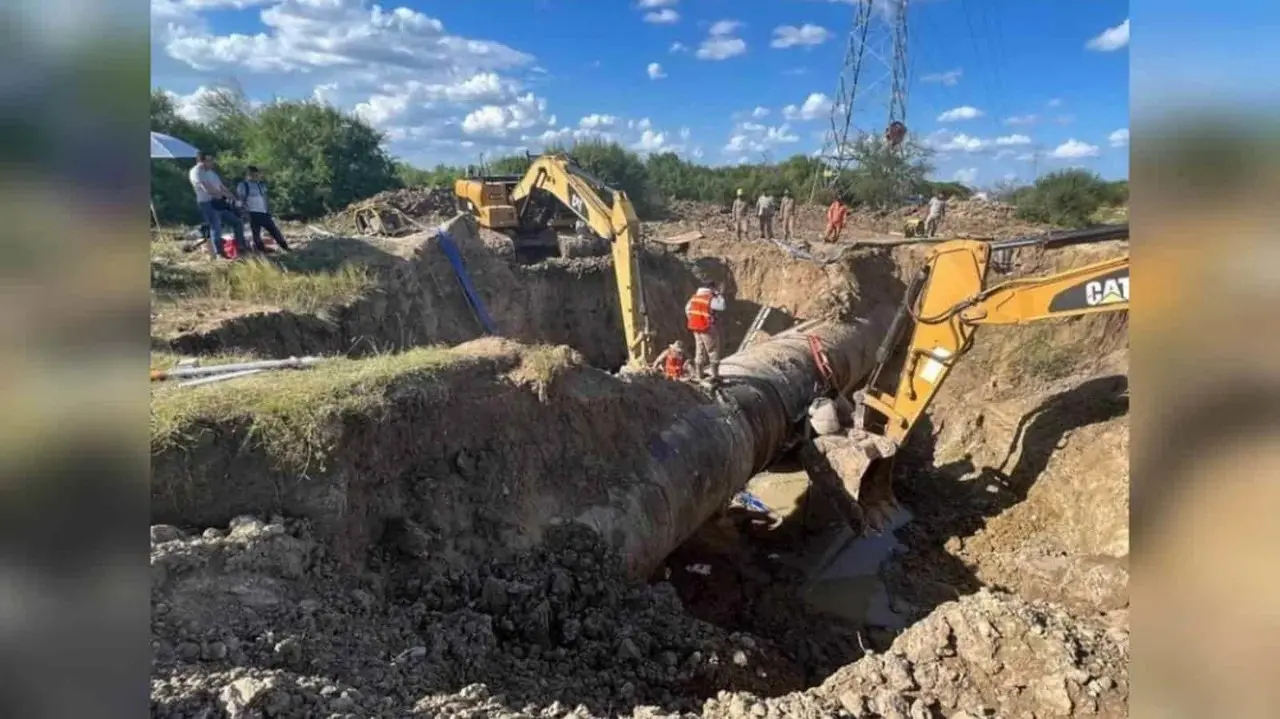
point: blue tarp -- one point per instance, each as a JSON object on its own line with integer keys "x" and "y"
{"x": 468, "y": 290}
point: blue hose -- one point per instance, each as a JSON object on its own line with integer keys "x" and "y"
{"x": 468, "y": 289}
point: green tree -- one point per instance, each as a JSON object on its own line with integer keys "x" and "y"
{"x": 170, "y": 191}
{"x": 883, "y": 176}
{"x": 1068, "y": 198}
{"x": 318, "y": 158}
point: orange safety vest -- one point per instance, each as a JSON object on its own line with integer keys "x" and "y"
{"x": 699, "y": 311}
{"x": 674, "y": 366}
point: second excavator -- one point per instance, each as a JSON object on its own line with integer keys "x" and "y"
{"x": 531, "y": 210}
{"x": 945, "y": 304}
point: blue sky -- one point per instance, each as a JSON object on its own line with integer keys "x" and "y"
{"x": 1000, "y": 88}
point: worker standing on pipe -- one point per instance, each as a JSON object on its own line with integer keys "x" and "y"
{"x": 701, "y": 311}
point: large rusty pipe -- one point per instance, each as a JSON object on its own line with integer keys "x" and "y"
{"x": 711, "y": 451}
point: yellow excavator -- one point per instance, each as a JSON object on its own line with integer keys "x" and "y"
{"x": 945, "y": 304}
{"x": 530, "y": 209}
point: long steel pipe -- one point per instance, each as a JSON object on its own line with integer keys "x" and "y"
{"x": 711, "y": 451}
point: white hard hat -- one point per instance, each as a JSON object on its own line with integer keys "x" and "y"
{"x": 739, "y": 190}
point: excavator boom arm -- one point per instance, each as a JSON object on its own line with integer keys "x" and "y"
{"x": 613, "y": 220}
{"x": 949, "y": 300}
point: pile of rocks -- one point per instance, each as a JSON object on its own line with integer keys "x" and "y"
{"x": 987, "y": 654}
{"x": 418, "y": 202}
{"x": 258, "y": 620}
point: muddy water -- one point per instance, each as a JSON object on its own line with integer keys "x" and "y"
{"x": 846, "y": 581}
{"x": 843, "y": 572}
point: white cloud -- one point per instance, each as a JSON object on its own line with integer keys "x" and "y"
{"x": 1054, "y": 102}
{"x": 679, "y": 47}
{"x": 651, "y": 141}
{"x": 724, "y": 27}
{"x": 1012, "y": 140}
{"x": 190, "y": 106}
{"x": 655, "y": 71}
{"x": 312, "y": 35}
{"x": 959, "y": 143}
{"x": 499, "y": 120}
{"x": 752, "y": 137}
{"x": 438, "y": 96}
{"x": 760, "y": 112}
{"x": 950, "y": 78}
{"x": 597, "y": 121}
{"x": 1074, "y": 149}
{"x": 721, "y": 44}
{"x": 665, "y": 16}
{"x": 807, "y": 35}
{"x": 1119, "y": 138}
{"x": 815, "y": 106}
{"x": 1022, "y": 120}
{"x": 640, "y": 135}
{"x": 966, "y": 176}
{"x": 964, "y": 112}
{"x": 1111, "y": 39}
{"x": 721, "y": 48}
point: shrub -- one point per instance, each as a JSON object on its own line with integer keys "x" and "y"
{"x": 1068, "y": 198}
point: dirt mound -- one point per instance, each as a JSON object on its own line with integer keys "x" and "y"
{"x": 418, "y": 202}
{"x": 261, "y": 620}
{"x": 987, "y": 654}
{"x": 462, "y": 443}
{"x": 976, "y": 218}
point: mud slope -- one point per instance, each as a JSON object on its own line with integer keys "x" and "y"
{"x": 478, "y": 447}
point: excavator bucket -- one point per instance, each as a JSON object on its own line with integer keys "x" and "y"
{"x": 855, "y": 472}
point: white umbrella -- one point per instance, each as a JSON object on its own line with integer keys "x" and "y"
{"x": 167, "y": 146}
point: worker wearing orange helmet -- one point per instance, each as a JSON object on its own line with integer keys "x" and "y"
{"x": 673, "y": 361}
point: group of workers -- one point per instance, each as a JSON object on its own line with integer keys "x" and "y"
{"x": 220, "y": 206}
{"x": 704, "y": 307}
{"x": 837, "y": 215}
{"x": 765, "y": 212}
{"x": 702, "y": 313}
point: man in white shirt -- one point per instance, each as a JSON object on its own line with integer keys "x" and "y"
{"x": 764, "y": 211}
{"x": 937, "y": 211}
{"x": 252, "y": 193}
{"x": 216, "y": 204}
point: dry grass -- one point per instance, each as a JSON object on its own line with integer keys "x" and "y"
{"x": 260, "y": 281}
{"x": 295, "y": 416}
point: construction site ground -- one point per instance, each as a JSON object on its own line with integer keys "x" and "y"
{"x": 370, "y": 537}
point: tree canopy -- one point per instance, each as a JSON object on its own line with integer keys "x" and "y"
{"x": 319, "y": 159}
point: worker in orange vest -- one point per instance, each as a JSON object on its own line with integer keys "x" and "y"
{"x": 672, "y": 361}
{"x": 836, "y": 215}
{"x": 701, "y": 311}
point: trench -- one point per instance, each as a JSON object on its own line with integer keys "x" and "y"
{"x": 474, "y": 497}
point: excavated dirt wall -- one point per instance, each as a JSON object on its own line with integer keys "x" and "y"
{"x": 419, "y": 302}
{"x": 472, "y": 450}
